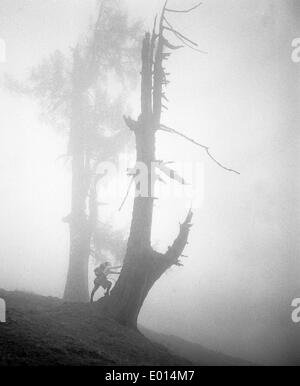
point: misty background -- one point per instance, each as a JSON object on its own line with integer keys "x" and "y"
{"x": 242, "y": 100}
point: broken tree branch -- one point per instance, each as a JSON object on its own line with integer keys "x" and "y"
{"x": 171, "y": 29}
{"x": 206, "y": 148}
{"x": 186, "y": 41}
{"x": 175, "y": 251}
{"x": 170, "y": 45}
{"x": 127, "y": 193}
{"x": 158, "y": 72}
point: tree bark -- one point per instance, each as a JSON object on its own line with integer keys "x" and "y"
{"x": 76, "y": 288}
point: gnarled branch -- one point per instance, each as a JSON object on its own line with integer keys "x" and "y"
{"x": 162, "y": 262}
{"x": 175, "y": 251}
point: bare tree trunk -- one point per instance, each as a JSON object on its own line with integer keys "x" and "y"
{"x": 142, "y": 265}
{"x": 76, "y": 288}
{"x": 142, "y": 268}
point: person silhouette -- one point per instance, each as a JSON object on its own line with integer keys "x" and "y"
{"x": 101, "y": 279}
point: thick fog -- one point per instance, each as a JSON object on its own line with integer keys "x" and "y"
{"x": 241, "y": 99}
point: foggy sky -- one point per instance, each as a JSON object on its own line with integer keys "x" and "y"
{"x": 242, "y": 100}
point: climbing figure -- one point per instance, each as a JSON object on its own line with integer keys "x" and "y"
{"x": 101, "y": 280}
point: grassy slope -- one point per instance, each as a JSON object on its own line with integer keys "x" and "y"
{"x": 46, "y": 331}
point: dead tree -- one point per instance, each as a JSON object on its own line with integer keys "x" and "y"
{"x": 143, "y": 266}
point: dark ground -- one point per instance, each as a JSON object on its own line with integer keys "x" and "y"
{"x": 46, "y": 331}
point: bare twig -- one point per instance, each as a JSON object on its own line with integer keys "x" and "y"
{"x": 183, "y": 38}
{"x": 170, "y": 45}
{"x": 184, "y": 10}
{"x": 127, "y": 193}
{"x": 170, "y": 28}
{"x": 189, "y": 46}
{"x": 206, "y": 148}
{"x": 170, "y": 130}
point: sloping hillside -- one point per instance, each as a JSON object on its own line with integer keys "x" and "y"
{"x": 194, "y": 352}
{"x": 45, "y": 331}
